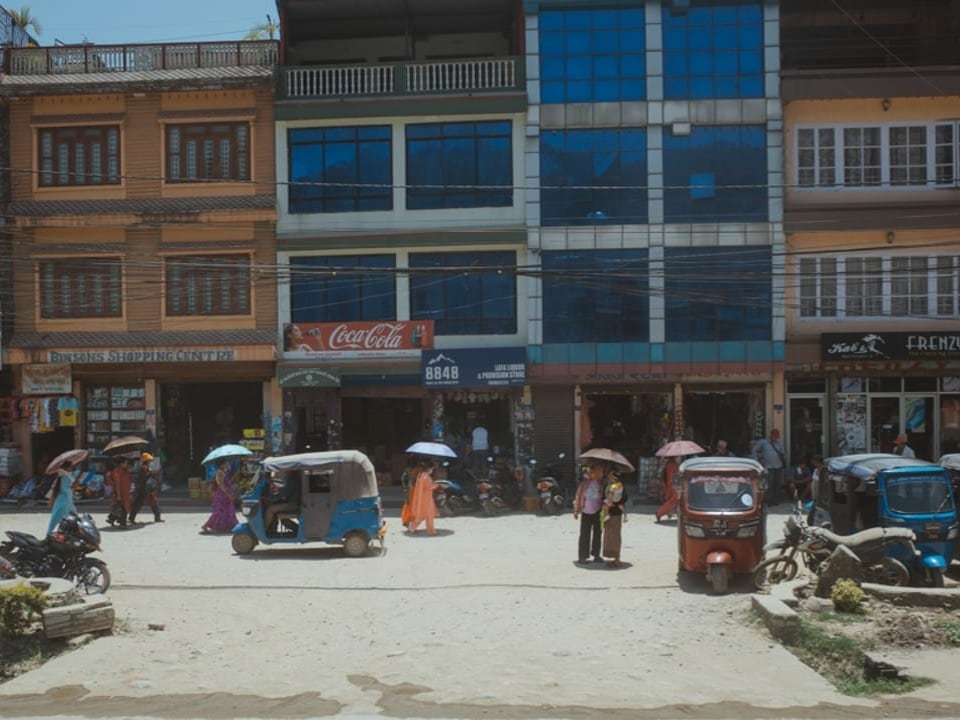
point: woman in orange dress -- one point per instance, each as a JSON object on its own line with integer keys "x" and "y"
{"x": 422, "y": 506}
{"x": 669, "y": 506}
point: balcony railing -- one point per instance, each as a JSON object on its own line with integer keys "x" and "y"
{"x": 481, "y": 75}
{"x": 84, "y": 59}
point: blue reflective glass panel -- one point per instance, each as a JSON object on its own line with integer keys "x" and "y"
{"x": 459, "y": 165}
{"x": 595, "y": 176}
{"x": 592, "y": 45}
{"x": 714, "y": 49}
{"x": 346, "y": 169}
{"x": 716, "y": 174}
{"x": 718, "y": 294}
{"x": 465, "y": 293}
{"x": 595, "y": 296}
{"x": 343, "y": 288}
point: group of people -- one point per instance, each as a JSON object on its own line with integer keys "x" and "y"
{"x": 132, "y": 488}
{"x": 600, "y": 504}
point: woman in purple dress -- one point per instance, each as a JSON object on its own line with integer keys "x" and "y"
{"x": 224, "y": 516}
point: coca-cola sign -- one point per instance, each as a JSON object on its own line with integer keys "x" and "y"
{"x": 389, "y": 338}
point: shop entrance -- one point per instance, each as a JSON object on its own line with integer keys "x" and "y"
{"x": 463, "y": 411}
{"x": 383, "y": 428}
{"x": 634, "y": 425}
{"x": 712, "y": 416}
{"x": 196, "y": 417}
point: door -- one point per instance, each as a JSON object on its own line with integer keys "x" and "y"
{"x": 918, "y": 423}
{"x": 884, "y": 422}
{"x": 806, "y": 429}
{"x": 318, "y": 504}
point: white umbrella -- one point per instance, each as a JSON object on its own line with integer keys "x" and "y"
{"x": 226, "y": 451}
{"x": 427, "y": 447}
{"x": 679, "y": 448}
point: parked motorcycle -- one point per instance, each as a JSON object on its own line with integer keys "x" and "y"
{"x": 63, "y": 553}
{"x": 548, "y": 480}
{"x": 815, "y": 544}
{"x": 499, "y": 491}
{"x": 452, "y": 496}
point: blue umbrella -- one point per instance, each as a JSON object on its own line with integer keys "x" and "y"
{"x": 226, "y": 451}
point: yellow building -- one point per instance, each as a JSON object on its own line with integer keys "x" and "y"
{"x": 142, "y": 215}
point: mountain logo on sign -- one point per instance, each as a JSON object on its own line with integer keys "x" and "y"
{"x": 442, "y": 358}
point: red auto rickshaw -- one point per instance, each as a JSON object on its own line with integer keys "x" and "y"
{"x": 720, "y": 517}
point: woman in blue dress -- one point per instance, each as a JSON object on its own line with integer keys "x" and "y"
{"x": 62, "y": 497}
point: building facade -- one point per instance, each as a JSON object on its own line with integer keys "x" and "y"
{"x": 142, "y": 212}
{"x": 872, "y": 226}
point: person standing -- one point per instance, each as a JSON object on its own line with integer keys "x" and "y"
{"x": 901, "y": 448}
{"x": 224, "y": 517}
{"x": 61, "y": 498}
{"x": 612, "y": 516}
{"x": 722, "y": 450}
{"x": 587, "y": 504}
{"x": 422, "y": 506}
{"x": 769, "y": 453}
{"x": 119, "y": 478}
{"x": 669, "y": 506}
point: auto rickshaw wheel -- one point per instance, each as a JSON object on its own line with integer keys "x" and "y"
{"x": 935, "y": 577}
{"x": 356, "y": 544}
{"x": 718, "y": 578}
{"x": 774, "y": 570}
{"x": 243, "y": 543}
{"x": 891, "y": 571}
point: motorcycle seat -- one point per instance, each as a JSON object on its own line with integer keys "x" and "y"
{"x": 24, "y": 538}
{"x": 868, "y": 536}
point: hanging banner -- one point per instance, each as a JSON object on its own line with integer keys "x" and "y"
{"x": 47, "y": 379}
{"x": 392, "y": 338}
{"x": 475, "y": 367}
{"x": 290, "y": 377}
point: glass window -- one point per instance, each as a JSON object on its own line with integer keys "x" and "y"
{"x": 818, "y": 287}
{"x": 596, "y": 296}
{"x": 340, "y": 169}
{"x": 861, "y": 156}
{"x": 208, "y": 151}
{"x": 593, "y": 176}
{"x": 816, "y": 157}
{"x": 731, "y": 302}
{"x": 948, "y": 285}
{"x": 592, "y": 55}
{"x": 465, "y": 293}
{"x": 459, "y": 165}
{"x": 343, "y": 288}
{"x": 908, "y": 155}
{"x": 712, "y": 49}
{"x": 716, "y": 173}
{"x": 864, "y": 286}
{"x": 908, "y": 286}
{"x": 79, "y": 156}
{"x": 208, "y": 285}
{"x": 81, "y": 288}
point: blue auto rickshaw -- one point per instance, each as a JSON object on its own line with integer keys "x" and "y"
{"x": 885, "y": 490}
{"x": 334, "y": 499}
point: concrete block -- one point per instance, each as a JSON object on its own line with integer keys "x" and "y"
{"x": 782, "y": 622}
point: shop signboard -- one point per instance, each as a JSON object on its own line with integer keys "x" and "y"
{"x": 46, "y": 379}
{"x": 887, "y": 346}
{"x": 292, "y": 377}
{"x": 387, "y": 339}
{"x": 475, "y": 367}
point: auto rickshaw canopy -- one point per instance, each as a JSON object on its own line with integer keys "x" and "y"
{"x": 866, "y": 466}
{"x": 351, "y": 470}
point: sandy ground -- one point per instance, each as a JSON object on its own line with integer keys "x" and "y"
{"x": 491, "y": 618}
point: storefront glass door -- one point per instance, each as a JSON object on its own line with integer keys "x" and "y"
{"x": 884, "y": 422}
{"x": 919, "y": 421}
{"x": 806, "y": 428}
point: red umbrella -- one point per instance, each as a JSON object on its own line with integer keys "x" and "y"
{"x": 72, "y": 456}
{"x": 678, "y": 448}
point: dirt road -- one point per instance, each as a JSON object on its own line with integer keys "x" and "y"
{"x": 491, "y": 618}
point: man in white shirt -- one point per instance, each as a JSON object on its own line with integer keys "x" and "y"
{"x": 901, "y": 448}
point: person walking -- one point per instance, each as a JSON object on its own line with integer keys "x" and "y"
{"x": 148, "y": 488}
{"x": 769, "y": 453}
{"x": 669, "y": 506}
{"x": 224, "y": 516}
{"x": 119, "y": 479}
{"x": 423, "y": 509}
{"x": 612, "y": 516}
{"x": 901, "y": 448}
{"x": 61, "y": 498}
{"x": 587, "y": 504}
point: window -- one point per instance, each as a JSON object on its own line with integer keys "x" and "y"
{"x": 208, "y": 152}
{"x": 731, "y": 302}
{"x": 598, "y": 296}
{"x": 459, "y": 165}
{"x": 343, "y": 288}
{"x": 465, "y": 293}
{"x": 79, "y": 156}
{"x": 713, "y": 49}
{"x": 900, "y": 286}
{"x": 592, "y": 55}
{"x": 877, "y": 156}
{"x": 113, "y": 411}
{"x": 716, "y": 174}
{"x": 340, "y": 169}
{"x": 208, "y": 285}
{"x": 593, "y": 176}
{"x": 81, "y": 288}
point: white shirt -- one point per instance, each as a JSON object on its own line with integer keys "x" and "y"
{"x": 479, "y": 438}
{"x": 905, "y": 451}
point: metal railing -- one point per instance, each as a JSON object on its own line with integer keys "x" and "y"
{"x": 447, "y": 76}
{"x": 83, "y": 59}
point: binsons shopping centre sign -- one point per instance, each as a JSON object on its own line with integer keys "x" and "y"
{"x": 889, "y": 346}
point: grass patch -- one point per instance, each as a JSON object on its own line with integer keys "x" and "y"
{"x": 951, "y": 631}
{"x": 842, "y": 618}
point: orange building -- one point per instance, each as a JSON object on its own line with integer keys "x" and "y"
{"x": 142, "y": 216}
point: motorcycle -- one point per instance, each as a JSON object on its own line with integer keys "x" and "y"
{"x": 63, "y": 554}
{"x": 549, "y": 483}
{"x": 452, "y": 497}
{"x": 815, "y": 544}
{"x": 498, "y": 492}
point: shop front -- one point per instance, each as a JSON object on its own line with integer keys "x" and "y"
{"x": 867, "y": 388}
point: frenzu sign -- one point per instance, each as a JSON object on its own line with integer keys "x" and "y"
{"x": 474, "y": 367}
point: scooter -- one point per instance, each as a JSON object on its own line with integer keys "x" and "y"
{"x": 450, "y": 496}
{"x": 498, "y": 492}
{"x": 548, "y": 481}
